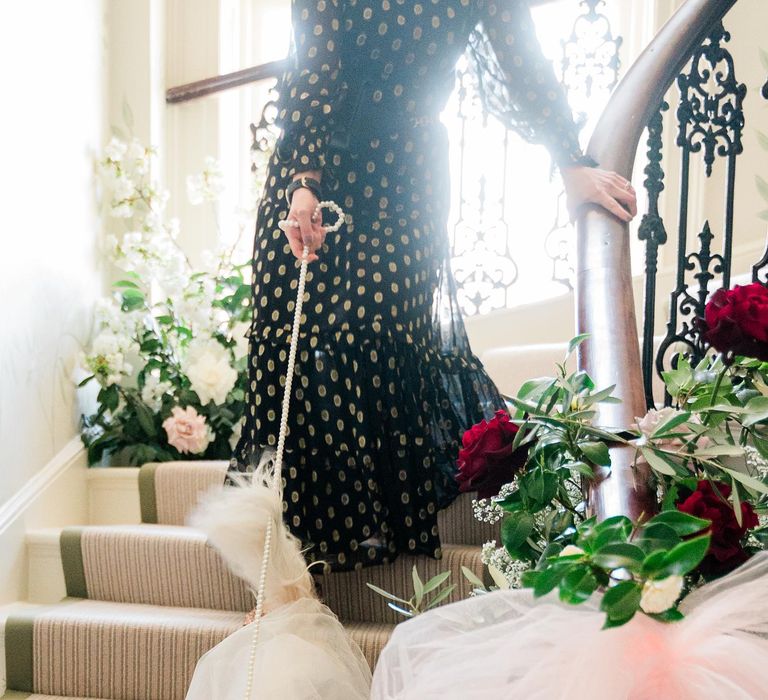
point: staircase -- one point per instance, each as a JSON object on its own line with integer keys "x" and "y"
{"x": 134, "y": 606}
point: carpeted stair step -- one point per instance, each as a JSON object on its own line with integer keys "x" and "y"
{"x": 347, "y": 594}
{"x": 118, "y": 651}
{"x": 151, "y": 564}
{"x": 170, "y": 490}
{"x": 96, "y": 649}
{"x": 14, "y": 695}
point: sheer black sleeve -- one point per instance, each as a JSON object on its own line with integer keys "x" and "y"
{"x": 518, "y": 84}
{"x": 308, "y": 87}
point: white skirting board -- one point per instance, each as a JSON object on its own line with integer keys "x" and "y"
{"x": 55, "y": 497}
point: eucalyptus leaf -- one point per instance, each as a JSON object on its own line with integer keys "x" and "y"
{"x": 440, "y": 597}
{"x": 749, "y": 481}
{"x": 436, "y": 581}
{"x": 660, "y": 462}
{"x": 473, "y": 578}
{"x": 576, "y": 342}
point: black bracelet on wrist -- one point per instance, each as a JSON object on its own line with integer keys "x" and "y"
{"x": 308, "y": 183}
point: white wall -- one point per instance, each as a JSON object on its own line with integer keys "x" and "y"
{"x": 52, "y": 57}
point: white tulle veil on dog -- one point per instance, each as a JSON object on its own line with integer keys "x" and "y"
{"x": 303, "y": 652}
{"x": 296, "y": 648}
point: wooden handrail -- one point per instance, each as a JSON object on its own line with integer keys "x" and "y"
{"x": 604, "y": 298}
{"x": 227, "y": 81}
{"x": 209, "y": 86}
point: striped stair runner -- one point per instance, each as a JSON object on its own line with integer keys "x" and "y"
{"x": 146, "y": 601}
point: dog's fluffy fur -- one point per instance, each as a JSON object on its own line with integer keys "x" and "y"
{"x": 235, "y": 521}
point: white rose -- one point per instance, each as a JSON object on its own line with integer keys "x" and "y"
{"x": 661, "y": 595}
{"x": 209, "y": 371}
{"x": 570, "y": 550}
{"x": 653, "y": 419}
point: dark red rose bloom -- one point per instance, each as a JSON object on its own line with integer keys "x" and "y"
{"x": 487, "y": 459}
{"x": 725, "y": 552}
{"x": 736, "y": 321}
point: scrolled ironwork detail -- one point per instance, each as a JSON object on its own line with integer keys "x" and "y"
{"x": 591, "y": 60}
{"x": 654, "y": 233}
{"x": 687, "y": 304}
{"x": 710, "y": 113}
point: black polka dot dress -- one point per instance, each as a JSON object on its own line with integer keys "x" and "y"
{"x": 385, "y": 383}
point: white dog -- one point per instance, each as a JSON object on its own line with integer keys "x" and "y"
{"x": 303, "y": 652}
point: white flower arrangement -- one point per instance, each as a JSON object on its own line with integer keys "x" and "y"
{"x": 169, "y": 347}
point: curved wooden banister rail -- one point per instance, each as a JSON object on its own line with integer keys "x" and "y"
{"x": 605, "y": 301}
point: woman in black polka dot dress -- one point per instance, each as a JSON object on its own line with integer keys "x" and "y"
{"x": 385, "y": 381}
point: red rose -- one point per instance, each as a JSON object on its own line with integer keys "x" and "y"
{"x": 725, "y": 552}
{"x": 736, "y": 321}
{"x": 487, "y": 459}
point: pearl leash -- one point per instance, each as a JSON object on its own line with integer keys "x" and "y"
{"x": 284, "y": 225}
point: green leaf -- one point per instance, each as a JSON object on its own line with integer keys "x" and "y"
{"x": 545, "y": 581}
{"x": 576, "y": 342}
{"x": 657, "y": 536}
{"x": 684, "y": 557}
{"x": 661, "y": 462}
{"x": 719, "y": 450}
{"x": 515, "y": 530}
{"x": 600, "y": 396}
{"x": 540, "y": 486}
{"x": 577, "y": 585}
{"x": 418, "y": 586}
{"x": 596, "y": 452}
{"x": 749, "y": 481}
{"x": 672, "y": 423}
{"x": 472, "y": 577}
{"x": 621, "y": 602}
{"x": 146, "y": 419}
{"x": 385, "y": 594}
{"x": 682, "y": 523}
{"x": 125, "y": 283}
{"x": 440, "y": 597}
{"x": 758, "y": 411}
{"x": 671, "y": 615}
{"x": 618, "y": 555}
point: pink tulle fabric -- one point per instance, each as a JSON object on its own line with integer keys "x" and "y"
{"x": 508, "y": 645}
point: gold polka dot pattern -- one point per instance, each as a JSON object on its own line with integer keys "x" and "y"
{"x": 385, "y": 381}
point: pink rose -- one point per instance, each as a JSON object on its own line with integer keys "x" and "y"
{"x": 187, "y": 430}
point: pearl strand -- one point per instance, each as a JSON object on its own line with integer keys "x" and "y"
{"x": 281, "y": 437}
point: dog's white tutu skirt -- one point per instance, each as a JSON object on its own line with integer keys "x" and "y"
{"x": 304, "y": 653}
{"x": 508, "y": 645}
